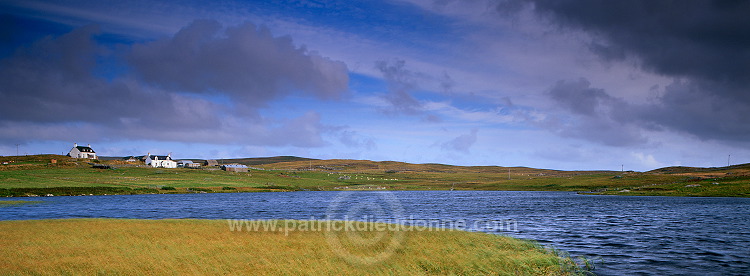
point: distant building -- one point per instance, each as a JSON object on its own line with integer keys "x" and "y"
{"x": 211, "y": 163}
{"x": 187, "y": 164}
{"x": 234, "y": 168}
{"x": 160, "y": 161}
{"x": 82, "y": 152}
{"x": 130, "y": 159}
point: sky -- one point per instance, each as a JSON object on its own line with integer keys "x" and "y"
{"x": 557, "y": 84}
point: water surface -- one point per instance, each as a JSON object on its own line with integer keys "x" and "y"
{"x": 624, "y": 235}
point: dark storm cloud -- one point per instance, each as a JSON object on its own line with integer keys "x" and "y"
{"x": 51, "y": 90}
{"x": 245, "y": 61}
{"x": 594, "y": 115}
{"x": 579, "y": 97}
{"x": 52, "y": 82}
{"x": 699, "y": 108}
{"x": 709, "y": 40}
{"x": 703, "y": 45}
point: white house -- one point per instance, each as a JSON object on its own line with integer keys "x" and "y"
{"x": 82, "y": 152}
{"x": 162, "y": 161}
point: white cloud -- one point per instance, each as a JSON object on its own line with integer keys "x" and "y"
{"x": 646, "y": 160}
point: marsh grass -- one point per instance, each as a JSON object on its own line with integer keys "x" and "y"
{"x": 168, "y": 247}
{"x": 4, "y": 203}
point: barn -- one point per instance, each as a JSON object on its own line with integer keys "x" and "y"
{"x": 234, "y": 168}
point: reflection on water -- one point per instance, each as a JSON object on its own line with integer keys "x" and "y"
{"x": 629, "y": 235}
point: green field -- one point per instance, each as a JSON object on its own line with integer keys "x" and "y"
{"x": 4, "y": 203}
{"x": 36, "y": 175}
{"x": 210, "y": 247}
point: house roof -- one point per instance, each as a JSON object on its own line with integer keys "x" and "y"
{"x": 85, "y": 149}
{"x": 160, "y": 157}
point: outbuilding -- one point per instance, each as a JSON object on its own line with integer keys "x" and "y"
{"x": 234, "y": 168}
{"x": 188, "y": 164}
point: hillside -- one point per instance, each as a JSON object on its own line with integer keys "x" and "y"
{"x": 287, "y": 173}
{"x": 254, "y": 161}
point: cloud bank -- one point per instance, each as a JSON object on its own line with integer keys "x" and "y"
{"x": 245, "y": 62}
{"x": 701, "y": 45}
{"x": 204, "y": 84}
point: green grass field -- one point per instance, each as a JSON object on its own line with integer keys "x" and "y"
{"x": 203, "y": 247}
{"x": 36, "y": 175}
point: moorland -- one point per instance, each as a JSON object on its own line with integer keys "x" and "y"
{"x": 37, "y": 175}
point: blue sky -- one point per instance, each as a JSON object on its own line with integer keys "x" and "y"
{"x": 546, "y": 84}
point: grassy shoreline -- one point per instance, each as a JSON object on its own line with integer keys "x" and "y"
{"x": 38, "y": 176}
{"x": 4, "y": 203}
{"x": 126, "y": 246}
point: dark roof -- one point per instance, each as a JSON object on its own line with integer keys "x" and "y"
{"x": 161, "y": 157}
{"x": 85, "y": 149}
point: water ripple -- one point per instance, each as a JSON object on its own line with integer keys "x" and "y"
{"x": 622, "y": 235}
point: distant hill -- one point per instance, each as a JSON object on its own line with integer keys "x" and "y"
{"x": 301, "y": 163}
{"x": 255, "y": 161}
{"x": 292, "y": 173}
{"x": 740, "y": 169}
{"x": 348, "y": 165}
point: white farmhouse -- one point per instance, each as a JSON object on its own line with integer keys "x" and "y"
{"x": 162, "y": 161}
{"x": 82, "y": 152}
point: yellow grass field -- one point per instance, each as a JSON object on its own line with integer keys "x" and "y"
{"x": 176, "y": 247}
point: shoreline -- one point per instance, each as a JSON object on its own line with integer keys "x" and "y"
{"x": 39, "y": 176}
{"x": 105, "y": 190}
{"x": 196, "y": 246}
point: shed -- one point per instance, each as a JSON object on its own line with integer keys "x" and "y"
{"x": 131, "y": 159}
{"x": 188, "y": 164}
{"x": 211, "y": 163}
{"x": 234, "y": 168}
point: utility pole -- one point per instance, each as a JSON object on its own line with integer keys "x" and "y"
{"x": 17, "y": 145}
{"x": 728, "y": 158}
{"x": 508, "y": 173}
